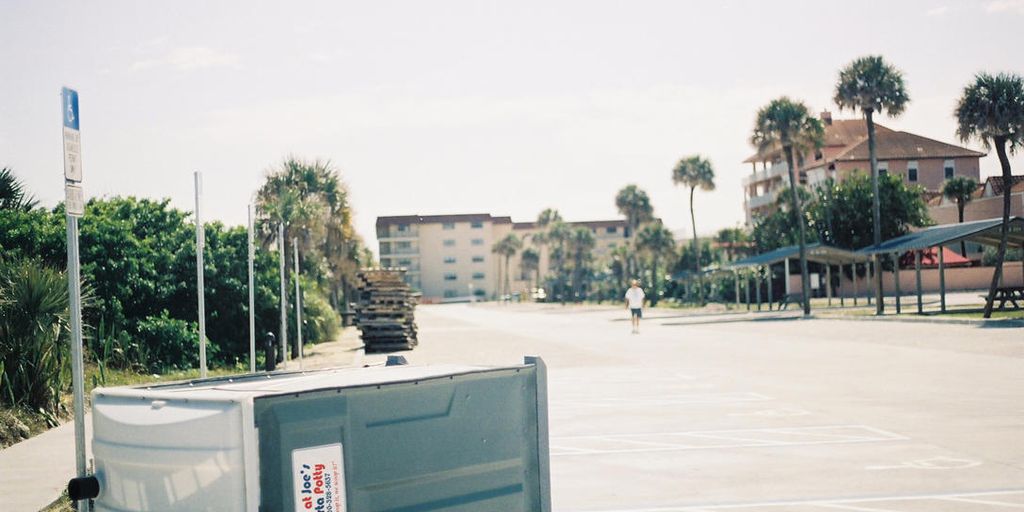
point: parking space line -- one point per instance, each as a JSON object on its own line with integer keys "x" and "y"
{"x": 986, "y": 502}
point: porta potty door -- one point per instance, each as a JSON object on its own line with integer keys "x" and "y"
{"x": 462, "y": 442}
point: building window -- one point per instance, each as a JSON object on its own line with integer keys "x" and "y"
{"x": 950, "y": 169}
{"x": 403, "y": 228}
{"x": 883, "y": 168}
{"x": 404, "y": 263}
{"x": 479, "y": 292}
{"x": 611, "y": 245}
{"x": 478, "y": 275}
{"x": 448, "y": 294}
{"x": 384, "y": 262}
{"x": 448, "y": 225}
{"x": 450, "y": 276}
{"x": 610, "y": 229}
{"x": 478, "y": 241}
{"x": 476, "y": 224}
{"x": 449, "y": 243}
{"x": 478, "y": 259}
{"x": 404, "y": 245}
{"x": 912, "y": 171}
{"x": 449, "y": 260}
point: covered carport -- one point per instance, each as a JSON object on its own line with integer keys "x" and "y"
{"x": 826, "y": 255}
{"x": 984, "y": 232}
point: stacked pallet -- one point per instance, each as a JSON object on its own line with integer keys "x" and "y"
{"x": 384, "y": 312}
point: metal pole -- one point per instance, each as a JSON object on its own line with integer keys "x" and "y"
{"x": 828, "y": 279}
{"x": 736, "y": 282}
{"x": 769, "y": 276}
{"x": 896, "y": 276}
{"x": 77, "y": 369}
{"x": 942, "y": 281}
{"x": 252, "y": 299}
{"x": 869, "y": 271}
{"x": 298, "y": 301}
{"x": 916, "y": 271}
{"x": 200, "y": 290}
{"x": 786, "y": 284}
{"x": 283, "y": 337}
{"x": 853, "y": 266}
{"x": 842, "y": 288}
{"x": 757, "y": 284}
{"x": 746, "y": 288}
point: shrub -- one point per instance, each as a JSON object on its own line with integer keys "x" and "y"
{"x": 319, "y": 322}
{"x": 34, "y": 362}
{"x": 170, "y": 344}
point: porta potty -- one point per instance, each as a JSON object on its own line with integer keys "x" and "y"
{"x": 394, "y": 438}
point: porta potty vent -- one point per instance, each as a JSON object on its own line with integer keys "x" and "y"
{"x": 380, "y": 439}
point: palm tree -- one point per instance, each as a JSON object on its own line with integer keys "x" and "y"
{"x": 695, "y": 172}
{"x": 731, "y": 240}
{"x": 12, "y": 193}
{"x": 992, "y": 110}
{"x": 541, "y": 237}
{"x": 557, "y": 237}
{"x": 529, "y": 262}
{"x": 786, "y": 124}
{"x": 580, "y": 243}
{"x": 872, "y": 85}
{"x": 634, "y": 204}
{"x": 960, "y": 189}
{"x": 506, "y": 248}
{"x": 655, "y": 240}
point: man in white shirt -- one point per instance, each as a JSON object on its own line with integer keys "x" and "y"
{"x": 635, "y": 304}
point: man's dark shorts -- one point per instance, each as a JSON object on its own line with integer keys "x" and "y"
{"x": 637, "y": 312}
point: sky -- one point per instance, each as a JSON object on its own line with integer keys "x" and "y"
{"x": 460, "y": 106}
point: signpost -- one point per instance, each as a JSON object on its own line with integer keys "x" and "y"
{"x": 200, "y": 289}
{"x": 284, "y": 295}
{"x": 252, "y": 300}
{"x": 74, "y": 207}
{"x": 298, "y": 301}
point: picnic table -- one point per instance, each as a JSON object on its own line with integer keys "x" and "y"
{"x": 1010, "y": 294}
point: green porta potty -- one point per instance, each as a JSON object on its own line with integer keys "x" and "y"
{"x": 394, "y": 438}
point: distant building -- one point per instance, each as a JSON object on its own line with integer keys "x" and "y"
{"x": 987, "y": 202}
{"x": 449, "y": 256}
{"x": 917, "y": 160}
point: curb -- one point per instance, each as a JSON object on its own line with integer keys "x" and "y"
{"x": 1006, "y": 322}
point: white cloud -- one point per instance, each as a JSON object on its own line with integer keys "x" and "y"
{"x": 1006, "y": 6}
{"x": 938, "y": 11}
{"x": 189, "y": 59}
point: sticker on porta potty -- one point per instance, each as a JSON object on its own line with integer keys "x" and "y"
{"x": 319, "y": 476}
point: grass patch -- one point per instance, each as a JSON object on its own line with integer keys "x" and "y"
{"x": 63, "y": 504}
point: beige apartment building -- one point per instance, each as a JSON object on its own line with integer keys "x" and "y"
{"x": 449, "y": 257}
{"x": 918, "y": 160}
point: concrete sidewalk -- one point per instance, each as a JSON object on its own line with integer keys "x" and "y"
{"x": 34, "y": 472}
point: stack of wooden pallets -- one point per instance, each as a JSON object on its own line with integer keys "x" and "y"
{"x": 384, "y": 313}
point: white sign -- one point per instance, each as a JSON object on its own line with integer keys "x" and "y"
{"x": 318, "y": 474}
{"x": 74, "y": 200}
{"x": 72, "y": 136}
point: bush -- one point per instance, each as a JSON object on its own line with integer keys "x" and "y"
{"x": 34, "y": 332}
{"x": 319, "y": 322}
{"x": 170, "y": 344}
{"x": 988, "y": 258}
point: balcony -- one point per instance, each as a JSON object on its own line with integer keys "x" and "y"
{"x": 761, "y": 200}
{"x": 411, "y": 231}
{"x": 779, "y": 170}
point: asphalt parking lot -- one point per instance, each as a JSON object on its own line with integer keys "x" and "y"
{"x": 761, "y": 412}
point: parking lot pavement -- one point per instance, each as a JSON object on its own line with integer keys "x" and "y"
{"x": 783, "y": 415}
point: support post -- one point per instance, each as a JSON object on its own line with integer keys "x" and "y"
{"x": 869, "y": 272}
{"x": 769, "y": 277}
{"x": 942, "y": 281}
{"x": 842, "y": 288}
{"x": 896, "y": 276}
{"x": 252, "y": 299}
{"x": 736, "y": 282}
{"x": 786, "y": 263}
{"x": 283, "y": 351}
{"x": 77, "y": 364}
{"x": 757, "y": 283}
{"x": 298, "y": 301}
{"x": 200, "y": 291}
{"x": 828, "y": 283}
{"x": 746, "y": 286}
{"x": 917, "y": 279}
{"x": 856, "y": 292}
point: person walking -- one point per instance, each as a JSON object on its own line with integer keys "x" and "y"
{"x": 635, "y": 304}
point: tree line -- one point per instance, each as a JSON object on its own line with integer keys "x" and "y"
{"x": 139, "y": 279}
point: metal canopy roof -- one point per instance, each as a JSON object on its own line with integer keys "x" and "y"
{"x": 985, "y": 232}
{"x": 815, "y": 252}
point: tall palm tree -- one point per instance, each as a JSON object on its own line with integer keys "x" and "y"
{"x": 872, "y": 85}
{"x": 960, "y": 189}
{"x": 506, "y": 248}
{"x": 529, "y": 263}
{"x": 580, "y": 244}
{"x": 540, "y": 238}
{"x": 695, "y": 172}
{"x": 12, "y": 193}
{"x": 655, "y": 240}
{"x": 558, "y": 235}
{"x": 786, "y": 124}
{"x": 634, "y": 204}
{"x": 992, "y": 110}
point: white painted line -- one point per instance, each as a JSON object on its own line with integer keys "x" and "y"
{"x": 735, "y": 438}
{"x": 986, "y": 502}
{"x": 854, "y": 507}
{"x": 701, "y": 398}
{"x": 832, "y": 503}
